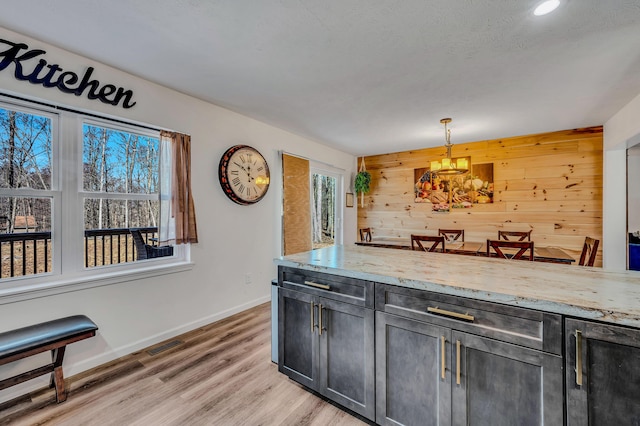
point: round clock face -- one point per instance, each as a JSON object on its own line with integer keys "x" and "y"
{"x": 244, "y": 174}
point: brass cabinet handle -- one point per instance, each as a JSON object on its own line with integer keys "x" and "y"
{"x": 457, "y": 362}
{"x": 578, "y": 358}
{"x": 439, "y": 311}
{"x": 311, "y": 316}
{"x": 322, "y": 286}
{"x": 442, "y": 354}
{"x": 320, "y": 327}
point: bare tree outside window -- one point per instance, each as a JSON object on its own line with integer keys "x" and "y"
{"x": 118, "y": 162}
{"x": 120, "y": 182}
{"x": 25, "y": 168}
{"x": 323, "y": 210}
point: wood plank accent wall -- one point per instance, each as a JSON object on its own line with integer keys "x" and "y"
{"x": 550, "y": 183}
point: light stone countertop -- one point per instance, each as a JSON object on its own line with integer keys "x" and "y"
{"x": 583, "y": 292}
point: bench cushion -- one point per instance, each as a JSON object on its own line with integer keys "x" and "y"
{"x": 31, "y": 337}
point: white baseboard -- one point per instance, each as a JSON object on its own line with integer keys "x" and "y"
{"x": 103, "y": 358}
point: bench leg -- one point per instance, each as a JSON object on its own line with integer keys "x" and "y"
{"x": 57, "y": 378}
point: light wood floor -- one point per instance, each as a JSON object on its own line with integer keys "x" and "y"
{"x": 221, "y": 374}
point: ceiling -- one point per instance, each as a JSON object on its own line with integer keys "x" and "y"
{"x": 366, "y": 76}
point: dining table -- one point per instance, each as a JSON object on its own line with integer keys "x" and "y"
{"x": 474, "y": 248}
{"x": 456, "y": 247}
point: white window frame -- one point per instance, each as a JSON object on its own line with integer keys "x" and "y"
{"x": 67, "y": 193}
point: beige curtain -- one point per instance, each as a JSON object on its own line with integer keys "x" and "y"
{"x": 178, "y": 213}
{"x": 296, "y": 224}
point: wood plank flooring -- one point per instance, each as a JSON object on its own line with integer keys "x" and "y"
{"x": 220, "y": 374}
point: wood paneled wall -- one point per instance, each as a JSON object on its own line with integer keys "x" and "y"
{"x": 550, "y": 183}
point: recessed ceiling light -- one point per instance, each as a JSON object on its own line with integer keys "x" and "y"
{"x": 546, "y": 7}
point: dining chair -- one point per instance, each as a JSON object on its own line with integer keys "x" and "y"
{"x": 589, "y": 250}
{"x": 521, "y": 235}
{"x": 522, "y": 246}
{"x": 365, "y": 234}
{"x": 452, "y": 234}
{"x": 419, "y": 239}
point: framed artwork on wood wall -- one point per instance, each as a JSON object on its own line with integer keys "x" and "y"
{"x": 454, "y": 192}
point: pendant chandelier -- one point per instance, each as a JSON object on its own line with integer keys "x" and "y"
{"x": 449, "y": 166}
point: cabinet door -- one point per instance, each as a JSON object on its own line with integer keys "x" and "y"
{"x": 298, "y": 337}
{"x": 497, "y": 383}
{"x": 413, "y": 378}
{"x": 607, "y": 389}
{"x": 346, "y": 366}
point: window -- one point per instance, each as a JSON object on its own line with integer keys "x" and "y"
{"x": 26, "y": 192}
{"x": 120, "y": 192}
{"x": 78, "y": 182}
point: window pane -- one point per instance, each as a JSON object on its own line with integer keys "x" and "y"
{"x": 323, "y": 210}
{"x": 25, "y": 144}
{"x": 25, "y": 236}
{"x": 107, "y": 224}
{"x": 118, "y": 161}
{"x": 103, "y": 213}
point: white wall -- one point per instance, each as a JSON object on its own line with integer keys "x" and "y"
{"x": 233, "y": 239}
{"x": 620, "y": 132}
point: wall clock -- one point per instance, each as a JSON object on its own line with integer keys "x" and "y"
{"x": 244, "y": 174}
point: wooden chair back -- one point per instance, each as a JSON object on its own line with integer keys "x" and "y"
{"x": 511, "y": 235}
{"x": 522, "y": 246}
{"x": 365, "y": 234}
{"x": 589, "y": 251}
{"x": 452, "y": 234}
{"x": 432, "y": 242}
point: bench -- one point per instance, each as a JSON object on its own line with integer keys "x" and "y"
{"x": 51, "y": 336}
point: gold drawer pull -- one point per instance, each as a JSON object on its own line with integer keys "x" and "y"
{"x": 439, "y": 311}
{"x": 312, "y": 315}
{"x": 442, "y": 355}
{"x": 322, "y": 286}
{"x": 457, "y": 362}
{"x": 578, "y": 358}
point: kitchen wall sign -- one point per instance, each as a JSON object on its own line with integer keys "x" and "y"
{"x": 27, "y": 67}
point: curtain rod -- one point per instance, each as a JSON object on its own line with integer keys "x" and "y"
{"x": 311, "y": 159}
{"x": 89, "y": 114}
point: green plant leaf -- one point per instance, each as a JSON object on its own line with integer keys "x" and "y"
{"x": 363, "y": 182}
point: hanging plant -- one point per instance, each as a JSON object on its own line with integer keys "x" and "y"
{"x": 362, "y": 183}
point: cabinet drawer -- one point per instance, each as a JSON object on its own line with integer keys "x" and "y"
{"x": 344, "y": 289}
{"x": 520, "y": 326}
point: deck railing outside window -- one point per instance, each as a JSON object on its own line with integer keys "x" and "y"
{"x": 29, "y": 253}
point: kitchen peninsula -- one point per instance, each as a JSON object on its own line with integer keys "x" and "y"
{"x": 405, "y": 337}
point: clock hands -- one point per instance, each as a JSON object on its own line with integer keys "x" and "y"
{"x": 241, "y": 166}
{"x": 247, "y": 170}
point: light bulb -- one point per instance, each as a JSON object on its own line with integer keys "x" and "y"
{"x": 546, "y": 7}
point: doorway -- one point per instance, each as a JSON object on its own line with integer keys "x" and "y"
{"x": 326, "y": 208}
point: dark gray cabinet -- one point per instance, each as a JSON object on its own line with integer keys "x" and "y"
{"x": 403, "y": 356}
{"x": 602, "y": 373}
{"x": 413, "y": 372}
{"x": 327, "y": 344}
{"x": 497, "y": 383}
{"x": 472, "y": 362}
{"x": 297, "y": 337}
